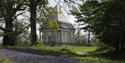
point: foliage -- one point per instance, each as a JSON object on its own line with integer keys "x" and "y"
{"x": 99, "y": 44}
{"x": 8, "y": 9}
{"x": 38, "y": 44}
{"x": 105, "y": 20}
{"x": 81, "y": 39}
{"x": 51, "y": 22}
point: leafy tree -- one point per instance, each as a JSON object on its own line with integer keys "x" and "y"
{"x": 105, "y": 19}
{"x": 8, "y": 9}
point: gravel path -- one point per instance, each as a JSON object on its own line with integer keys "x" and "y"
{"x": 23, "y": 57}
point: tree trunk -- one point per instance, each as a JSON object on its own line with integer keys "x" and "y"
{"x": 9, "y": 38}
{"x": 88, "y": 37}
{"x": 117, "y": 46}
{"x": 33, "y": 21}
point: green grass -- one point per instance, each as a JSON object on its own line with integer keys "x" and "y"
{"x": 96, "y": 59}
{"x": 98, "y": 54}
{"x": 4, "y": 60}
{"x": 71, "y": 50}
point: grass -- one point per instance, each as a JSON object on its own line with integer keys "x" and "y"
{"x": 4, "y": 60}
{"x": 99, "y": 55}
{"x": 71, "y": 50}
{"x": 61, "y": 51}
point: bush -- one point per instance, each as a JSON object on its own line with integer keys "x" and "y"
{"x": 39, "y": 43}
{"x": 99, "y": 44}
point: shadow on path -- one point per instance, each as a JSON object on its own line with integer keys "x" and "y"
{"x": 28, "y": 55}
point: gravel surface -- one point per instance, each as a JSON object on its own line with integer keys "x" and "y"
{"x": 24, "y": 57}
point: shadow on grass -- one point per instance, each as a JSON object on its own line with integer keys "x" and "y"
{"x": 58, "y": 53}
{"x": 109, "y": 54}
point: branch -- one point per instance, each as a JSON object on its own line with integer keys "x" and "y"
{"x": 19, "y": 32}
{"x": 20, "y": 14}
{"x": 1, "y": 28}
{"x": 4, "y": 29}
{"x": 19, "y": 6}
{"x": 2, "y": 10}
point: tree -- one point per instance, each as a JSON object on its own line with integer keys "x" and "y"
{"x": 33, "y": 11}
{"x": 106, "y": 20}
{"x": 33, "y": 5}
{"x": 8, "y": 9}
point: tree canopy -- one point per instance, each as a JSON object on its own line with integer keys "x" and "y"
{"x": 106, "y": 20}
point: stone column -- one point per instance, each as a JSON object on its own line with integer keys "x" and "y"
{"x": 40, "y": 37}
{"x": 62, "y": 37}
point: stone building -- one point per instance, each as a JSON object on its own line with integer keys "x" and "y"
{"x": 64, "y": 34}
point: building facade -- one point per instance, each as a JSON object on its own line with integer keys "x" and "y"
{"x": 64, "y": 34}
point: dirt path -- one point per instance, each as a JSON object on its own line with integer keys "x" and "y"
{"x": 24, "y": 57}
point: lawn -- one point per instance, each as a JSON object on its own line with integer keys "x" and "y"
{"x": 92, "y": 54}
{"x": 97, "y": 55}
{"x": 4, "y": 60}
